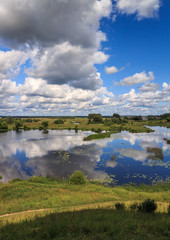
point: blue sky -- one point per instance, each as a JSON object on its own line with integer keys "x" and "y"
{"x": 60, "y": 57}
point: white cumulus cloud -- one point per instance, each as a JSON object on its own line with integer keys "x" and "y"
{"x": 137, "y": 78}
{"x": 143, "y": 8}
{"x": 111, "y": 70}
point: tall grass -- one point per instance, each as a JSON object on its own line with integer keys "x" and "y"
{"x": 41, "y": 192}
{"x": 101, "y": 224}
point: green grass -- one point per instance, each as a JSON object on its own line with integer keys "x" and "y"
{"x": 55, "y": 199}
{"x": 101, "y": 224}
{"x": 98, "y": 136}
{"x": 40, "y": 192}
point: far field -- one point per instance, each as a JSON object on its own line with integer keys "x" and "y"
{"x": 82, "y": 123}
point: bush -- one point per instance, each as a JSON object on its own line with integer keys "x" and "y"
{"x": 119, "y": 206}
{"x": 133, "y": 206}
{"x": 78, "y": 177}
{"x": 148, "y": 206}
{"x": 44, "y": 124}
{"x": 169, "y": 210}
{"x": 59, "y": 121}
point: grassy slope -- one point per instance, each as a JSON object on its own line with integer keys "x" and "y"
{"x": 47, "y": 193}
{"x": 101, "y": 224}
{"x": 59, "y": 223}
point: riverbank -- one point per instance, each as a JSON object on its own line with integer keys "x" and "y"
{"x": 101, "y": 130}
{"x": 46, "y": 208}
{"x": 41, "y": 192}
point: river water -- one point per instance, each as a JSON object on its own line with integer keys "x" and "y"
{"x": 124, "y": 157}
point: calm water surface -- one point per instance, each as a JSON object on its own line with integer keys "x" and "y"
{"x": 125, "y": 157}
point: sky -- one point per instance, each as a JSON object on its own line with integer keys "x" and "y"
{"x": 75, "y": 57}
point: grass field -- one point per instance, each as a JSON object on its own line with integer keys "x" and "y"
{"x": 101, "y": 224}
{"x": 41, "y": 192}
{"x": 69, "y": 211}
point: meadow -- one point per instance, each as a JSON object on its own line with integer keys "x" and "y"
{"x": 87, "y": 211}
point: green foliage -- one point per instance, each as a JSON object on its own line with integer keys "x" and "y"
{"x": 10, "y": 120}
{"x": 116, "y": 115}
{"x": 99, "y": 130}
{"x": 26, "y": 128}
{"x": 78, "y": 177}
{"x": 97, "y": 136}
{"x": 29, "y": 120}
{"x": 40, "y": 128}
{"x": 148, "y": 206}
{"x": 0, "y": 177}
{"x": 76, "y": 129}
{"x": 36, "y": 120}
{"x": 44, "y": 124}
{"x": 37, "y": 179}
{"x": 18, "y": 125}
{"x": 137, "y": 118}
{"x": 134, "y": 206}
{"x": 3, "y": 125}
{"x": 58, "y": 121}
{"x": 119, "y": 206}
{"x": 116, "y": 118}
{"x": 168, "y": 119}
{"x": 95, "y": 118}
{"x": 168, "y": 209}
{"x": 165, "y": 115}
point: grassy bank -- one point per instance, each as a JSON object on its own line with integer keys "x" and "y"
{"x": 40, "y": 192}
{"x": 101, "y": 224}
{"x": 87, "y": 211}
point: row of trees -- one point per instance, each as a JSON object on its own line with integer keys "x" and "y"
{"x": 97, "y": 118}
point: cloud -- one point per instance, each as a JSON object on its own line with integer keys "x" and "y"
{"x": 10, "y": 63}
{"x": 52, "y": 21}
{"x": 146, "y": 100}
{"x": 149, "y": 87}
{"x": 143, "y": 8}
{"x": 63, "y": 34}
{"x": 136, "y": 79}
{"x": 111, "y": 70}
{"x": 65, "y": 63}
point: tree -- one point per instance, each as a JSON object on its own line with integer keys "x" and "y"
{"x": 95, "y": 118}
{"x": 137, "y": 118}
{"x": 10, "y": 120}
{"x": 18, "y": 125}
{"x": 116, "y": 118}
{"x": 116, "y": 115}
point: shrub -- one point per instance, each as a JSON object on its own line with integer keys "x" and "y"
{"x": 29, "y": 120}
{"x": 119, "y": 206}
{"x": 18, "y": 125}
{"x": 148, "y": 206}
{"x": 78, "y": 177}
{"x": 76, "y": 129}
{"x": 58, "y": 121}
{"x": 44, "y": 124}
{"x": 169, "y": 210}
{"x": 134, "y": 206}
